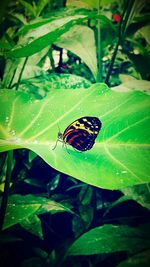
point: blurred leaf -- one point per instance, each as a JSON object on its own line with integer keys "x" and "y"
{"x": 86, "y": 213}
{"x": 53, "y": 207}
{"x": 33, "y": 261}
{"x": 35, "y": 182}
{"x": 141, "y": 63}
{"x": 40, "y": 6}
{"x": 55, "y": 18}
{"x": 139, "y": 193}
{"x": 120, "y": 156}
{"x": 39, "y": 86}
{"x": 10, "y": 68}
{"x": 93, "y": 3}
{"x": 75, "y": 40}
{"x": 28, "y": 7}
{"x": 2, "y": 186}
{"x": 141, "y": 259}
{"x": 110, "y": 238}
{"x": 53, "y": 184}
{"x": 78, "y": 226}
{"x": 4, "y": 44}
{"x": 44, "y": 36}
{"x": 13, "y": 68}
{"x": 90, "y": 3}
{"x": 115, "y": 203}
{"x": 33, "y": 25}
{"x": 20, "y": 17}
{"x": 138, "y": 23}
{"x": 31, "y": 69}
{"x": 126, "y": 78}
{"x": 109, "y": 35}
{"x": 135, "y": 10}
{"x": 18, "y": 212}
{"x": 7, "y": 238}
{"x": 133, "y": 85}
{"x": 67, "y": 81}
{"x": 33, "y": 225}
{"x": 3, "y": 9}
{"x": 85, "y": 194}
{"x": 21, "y": 208}
{"x": 145, "y": 31}
{"x": 32, "y": 156}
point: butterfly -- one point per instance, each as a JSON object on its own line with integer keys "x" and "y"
{"x": 81, "y": 133}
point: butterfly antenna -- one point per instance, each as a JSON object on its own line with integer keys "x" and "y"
{"x": 55, "y": 120}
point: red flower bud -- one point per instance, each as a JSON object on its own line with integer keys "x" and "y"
{"x": 116, "y": 17}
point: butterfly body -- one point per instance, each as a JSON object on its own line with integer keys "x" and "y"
{"x": 81, "y": 133}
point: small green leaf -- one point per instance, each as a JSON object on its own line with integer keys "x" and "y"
{"x": 22, "y": 209}
{"x": 33, "y": 225}
{"x": 28, "y": 7}
{"x": 141, "y": 63}
{"x": 145, "y": 33}
{"x": 133, "y": 85}
{"x": 110, "y": 238}
{"x": 16, "y": 213}
{"x": 141, "y": 259}
{"x": 139, "y": 193}
{"x": 41, "y": 5}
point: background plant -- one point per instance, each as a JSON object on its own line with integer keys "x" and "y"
{"x": 55, "y": 50}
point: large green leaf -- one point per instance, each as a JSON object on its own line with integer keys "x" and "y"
{"x": 120, "y": 157}
{"x": 110, "y": 238}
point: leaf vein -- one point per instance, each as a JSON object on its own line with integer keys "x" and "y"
{"x": 120, "y": 163}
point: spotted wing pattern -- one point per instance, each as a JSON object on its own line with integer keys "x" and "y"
{"x": 81, "y": 133}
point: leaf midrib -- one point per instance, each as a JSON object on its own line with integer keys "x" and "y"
{"x": 98, "y": 144}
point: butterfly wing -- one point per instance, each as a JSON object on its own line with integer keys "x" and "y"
{"x": 81, "y": 133}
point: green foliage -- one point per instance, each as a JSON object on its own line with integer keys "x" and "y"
{"x": 138, "y": 193}
{"x": 51, "y": 53}
{"x": 44, "y": 40}
{"x": 24, "y": 210}
{"x": 121, "y": 150}
{"x": 75, "y": 40}
{"x": 34, "y": 9}
{"x": 138, "y": 260}
{"x": 110, "y": 238}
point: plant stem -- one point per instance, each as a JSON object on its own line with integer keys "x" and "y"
{"x": 9, "y": 86}
{"x": 21, "y": 72}
{"x": 99, "y": 74}
{"x": 52, "y": 60}
{"x": 60, "y": 59}
{"x": 129, "y": 12}
{"x": 120, "y": 35}
{"x": 6, "y": 189}
{"x": 112, "y": 63}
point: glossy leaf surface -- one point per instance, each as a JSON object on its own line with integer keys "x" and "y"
{"x": 120, "y": 156}
{"x": 110, "y": 238}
